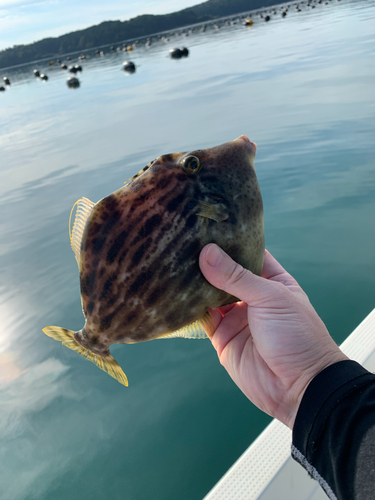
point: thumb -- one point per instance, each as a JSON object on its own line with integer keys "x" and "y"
{"x": 224, "y": 273}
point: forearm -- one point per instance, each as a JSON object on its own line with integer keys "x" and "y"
{"x": 334, "y": 431}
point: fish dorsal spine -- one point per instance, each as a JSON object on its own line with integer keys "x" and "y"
{"x": 84, "y": 208}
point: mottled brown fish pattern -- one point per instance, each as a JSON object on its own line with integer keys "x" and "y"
{"x": 138, "y": 256}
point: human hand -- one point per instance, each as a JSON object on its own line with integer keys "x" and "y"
{"x": 272, "y": 343}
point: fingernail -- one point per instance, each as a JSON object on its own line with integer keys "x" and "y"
{"x": 214, "y": 255}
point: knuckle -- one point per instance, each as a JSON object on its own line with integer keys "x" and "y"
{"x": 236, "y": 274}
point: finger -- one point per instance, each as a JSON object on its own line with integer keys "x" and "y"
{"x": 225, "y": 309}
{"x": 217, "y": 317}
{"x": 221, "y": 271}
{"x": 274, "y": 271}
{"x": 233, "y": 323}
{"x": 271, "y": 266}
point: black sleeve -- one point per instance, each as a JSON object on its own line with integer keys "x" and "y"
{"x": 334, "y": 431}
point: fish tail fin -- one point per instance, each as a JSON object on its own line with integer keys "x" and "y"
{"x": 106, "y": 363}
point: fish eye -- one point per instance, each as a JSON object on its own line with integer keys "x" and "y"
{"x": 191, "y": 164}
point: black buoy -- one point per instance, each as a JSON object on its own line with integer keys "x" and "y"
{"x": 73, "y": 82}
{"x": 36, "y": 72}
{"x": 267, "y": 18}
{"x": 129, "y": 67}
{"x": 64, "y": 66}
{"x": 75, "y": 69}
{"x": 175, "y": 53}
{"x": 6, "y": 80}
{"x": 44, "y": 77}
{"x": 184, "y": 51}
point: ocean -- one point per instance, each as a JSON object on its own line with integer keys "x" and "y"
{"x": 303, "y": 88}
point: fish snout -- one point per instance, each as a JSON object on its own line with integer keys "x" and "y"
{"x": 244, "y": 140}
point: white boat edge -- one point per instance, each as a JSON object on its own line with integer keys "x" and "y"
{"x": 266, "y": 470}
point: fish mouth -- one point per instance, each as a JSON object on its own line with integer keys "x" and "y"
{"x": 245, "y": 140}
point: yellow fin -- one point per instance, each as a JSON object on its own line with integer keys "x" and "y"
{"x": 199, "y": 329}
{"x": 84, "y": 207}
{"x": 215, "y": 211}
{"x": 107, "y": 363}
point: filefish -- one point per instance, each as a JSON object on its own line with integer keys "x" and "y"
{"x": 138, "y": 249}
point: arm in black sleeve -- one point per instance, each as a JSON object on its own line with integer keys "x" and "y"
{"x": 334, "y": 431}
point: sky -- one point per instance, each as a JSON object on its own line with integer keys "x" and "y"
{"x": 27, "y": 21}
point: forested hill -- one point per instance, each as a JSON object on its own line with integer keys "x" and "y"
{"x": 109, "y": 32}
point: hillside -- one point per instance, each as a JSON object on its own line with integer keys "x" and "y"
{"x": 109, "y": 32}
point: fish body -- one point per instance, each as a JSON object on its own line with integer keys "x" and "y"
{"x": 138, "y": 248}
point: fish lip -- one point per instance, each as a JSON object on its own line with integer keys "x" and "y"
{"x": 245, "y": 140}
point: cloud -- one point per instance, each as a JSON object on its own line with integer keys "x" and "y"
{"x": 7, "y": 3}
{"x": 4, "y": 4}
{"x": 33, "y": 449}
{"x": 9, "y": 370}
{"x": 26, "y": 391}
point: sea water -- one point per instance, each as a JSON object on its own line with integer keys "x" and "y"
{"x": 303, "y": 88}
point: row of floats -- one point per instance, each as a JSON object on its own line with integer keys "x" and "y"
{"x": 73, "y": 82}
{"x": 175, "y": 53}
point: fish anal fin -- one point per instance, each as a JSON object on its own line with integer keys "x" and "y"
{"x": 106, "y": 363}
{"x": 199, "y": 329}
{"x": 84, "y": 208}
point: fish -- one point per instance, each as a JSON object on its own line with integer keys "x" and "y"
{"x": 138, "y": 249}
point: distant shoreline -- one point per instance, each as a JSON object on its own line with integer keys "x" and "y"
{"x": 110, "y": 33}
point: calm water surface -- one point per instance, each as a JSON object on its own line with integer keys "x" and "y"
{"x": 303, "y": 88}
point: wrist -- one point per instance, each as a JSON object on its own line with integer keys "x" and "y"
{"x": 299, "y": 391}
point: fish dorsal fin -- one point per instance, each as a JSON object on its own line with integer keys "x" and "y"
{"x": 84, "y": 207}
{"x": 106, "y": 363}
{"x": 199, "y": 329}
{"x": 139, "y": 173}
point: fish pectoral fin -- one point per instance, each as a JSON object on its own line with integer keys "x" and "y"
{"x": 106, "y": 363}
{"x": 199, "y": 329}
{"x": 216, "y": 211}
{"x": 84, "y": 208}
